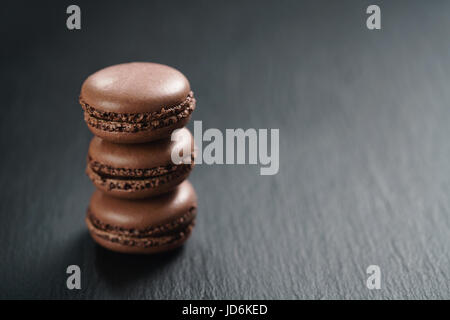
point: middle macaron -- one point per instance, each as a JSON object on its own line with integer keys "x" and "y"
{"x": 137, "y": 171}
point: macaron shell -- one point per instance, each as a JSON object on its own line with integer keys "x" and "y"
{"x": 140, "y": 156}
{"x": 144, "y": 213}
{"x": 135, "y": 87}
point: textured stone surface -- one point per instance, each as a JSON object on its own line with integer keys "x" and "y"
{"x": 365, "y": 149}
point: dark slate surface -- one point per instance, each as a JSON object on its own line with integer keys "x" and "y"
{"x": 365, "y": 148}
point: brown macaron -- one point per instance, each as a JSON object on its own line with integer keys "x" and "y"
{"x": 136, "y": 171}
{"x": 143, "y": 226}
{"x": 136, "y": 102}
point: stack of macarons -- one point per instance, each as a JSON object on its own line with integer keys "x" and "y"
{"x": 143, "y": 202}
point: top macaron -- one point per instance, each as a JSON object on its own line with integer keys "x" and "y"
{"x": 136, "y": 102}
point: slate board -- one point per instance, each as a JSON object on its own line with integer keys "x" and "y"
{"x": 364, "y": 148}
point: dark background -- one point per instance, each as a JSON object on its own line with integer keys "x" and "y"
{"x": 364, "y": 148}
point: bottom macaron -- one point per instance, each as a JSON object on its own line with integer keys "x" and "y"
{"x": 143, "y": 226}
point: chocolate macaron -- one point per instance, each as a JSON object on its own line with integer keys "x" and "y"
{"x": 143, "y": 226}
{"x": 136, "y": 171}
{"x": 136, "y": 102}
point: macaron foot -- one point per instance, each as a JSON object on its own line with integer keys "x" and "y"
{"x": 134, "y": 245}
{"x": 140, "y": 188}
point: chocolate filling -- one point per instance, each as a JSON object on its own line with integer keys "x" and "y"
{"x": 156, "y": 236}
{"x": 135, "y": 122}
{"x": 153, "y": 231}
{"x": 131, "y": 180}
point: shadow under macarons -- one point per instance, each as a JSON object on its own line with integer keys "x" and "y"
{"x": 121, "y": 270}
